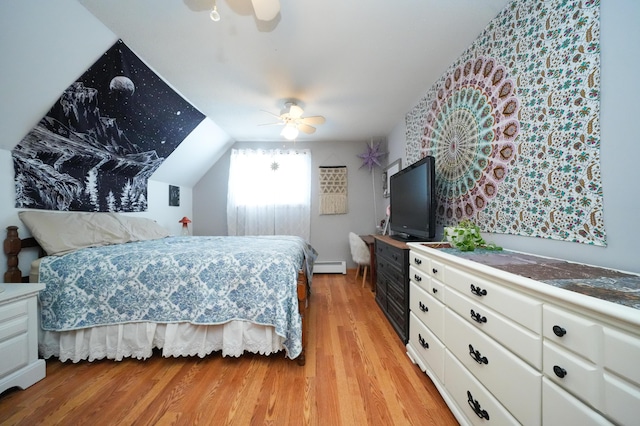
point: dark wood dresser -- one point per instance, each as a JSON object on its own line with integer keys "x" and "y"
{"x": 392, "y": 282}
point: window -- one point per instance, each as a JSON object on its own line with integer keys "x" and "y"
{"x": 269, "y": 192}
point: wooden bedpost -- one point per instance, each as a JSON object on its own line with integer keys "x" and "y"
{"x": 12, "y": 247}
{"x": 302, "y": 305}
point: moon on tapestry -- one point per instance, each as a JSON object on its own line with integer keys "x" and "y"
{"x": 471, "y": 127}
{"x": 122, "y": 84}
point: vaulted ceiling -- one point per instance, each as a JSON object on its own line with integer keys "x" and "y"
{"x": 362, "y": 64}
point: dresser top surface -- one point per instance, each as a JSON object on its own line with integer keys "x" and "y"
{"x": 602, "y": 283}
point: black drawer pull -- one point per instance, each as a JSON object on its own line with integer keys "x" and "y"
{"x": 434, "y": 290}
{"x": 475, "y": 406}
{"x": 477, "y": 356}
{"x": 435, "y": 271}
{"x": 559, "y": 331}
{"x": 423, "y": 342}
{"x": 559, "y": 371}
{"x": 423, "y": 307}
{"x": 417, "y": 261}
{"x": 478, "y": 291}
{"x": 477, "y": 317}
{"x": 417, "y": 277}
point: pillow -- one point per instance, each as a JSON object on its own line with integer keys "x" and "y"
{"x": 63, "y": 232}
{"x": 141, "y": 228}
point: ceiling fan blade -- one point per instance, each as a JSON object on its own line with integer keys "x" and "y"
{"x": 271, "y": 124}
{"x": 314, "y": 119}
{"x": 270, "y": 113}
{"x": 306, "y": 128}
{"x": 266, "y": 10}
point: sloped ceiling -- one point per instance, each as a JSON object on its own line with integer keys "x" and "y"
{"x": 360, "y": 63}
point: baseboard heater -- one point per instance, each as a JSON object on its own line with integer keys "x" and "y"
{"x": 330, "y": 267}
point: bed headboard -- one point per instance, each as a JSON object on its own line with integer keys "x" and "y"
{"x": 13, "y": 245}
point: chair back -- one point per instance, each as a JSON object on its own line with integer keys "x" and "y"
{"x": 359, "y": 250}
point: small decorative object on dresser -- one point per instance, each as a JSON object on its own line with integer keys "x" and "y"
{"x": 19, "y": 363}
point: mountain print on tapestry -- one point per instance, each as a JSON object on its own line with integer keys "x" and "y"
{"x": 101, "y": 141}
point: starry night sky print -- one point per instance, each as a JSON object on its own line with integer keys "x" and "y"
{"x": 101, "y": 141}
{"x": 151, "y": 114}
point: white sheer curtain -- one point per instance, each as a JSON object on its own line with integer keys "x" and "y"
{"x": 269, "y": 192}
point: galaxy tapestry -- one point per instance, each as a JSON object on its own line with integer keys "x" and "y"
{"x": 514, "y": 125}
{"x": 98, "y": 145}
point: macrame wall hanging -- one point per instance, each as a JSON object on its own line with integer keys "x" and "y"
{"x": 333, "y": 190}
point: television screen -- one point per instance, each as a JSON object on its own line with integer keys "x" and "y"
{"x": 413, "y": 201}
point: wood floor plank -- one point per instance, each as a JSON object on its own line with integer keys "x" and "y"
{"x": 357, "y": 372}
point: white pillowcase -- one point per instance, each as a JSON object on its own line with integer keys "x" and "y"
{"x": 63, "y": 232}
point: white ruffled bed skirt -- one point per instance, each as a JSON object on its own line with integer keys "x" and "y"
{"x": 137, "y": 340}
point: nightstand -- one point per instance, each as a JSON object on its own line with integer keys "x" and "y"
{"x": 19, "y": 363}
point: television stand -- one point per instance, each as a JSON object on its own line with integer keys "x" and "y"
{"x": 406, "y": 238}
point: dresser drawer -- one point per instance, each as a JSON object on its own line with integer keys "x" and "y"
{"x": 389, "y": 269}
{"x": 571, "y": 331}
{"x": 473, "y": 399}
{"x": 427, "y": 346}
{"x": 622, "y": 400}
{"x": 431, "y": 286}
{"x": 392, "y": 254}
{"x": 521, "y": 341}
{"x": 561, "y": 409}
{"x": 427, "y": 309}
{"x": 622, "y": 354}
{"x": 522, "y": 309}
{"x": 13, "y": 327}
{"x": 581, "y": 378}
{"x": 497, "y": 368}
{"x": 427, "y": 265}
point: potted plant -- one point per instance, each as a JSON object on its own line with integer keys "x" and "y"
{"x": 465, "y": 236}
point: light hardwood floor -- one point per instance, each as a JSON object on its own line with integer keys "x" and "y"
{"x": 356, "y": 373}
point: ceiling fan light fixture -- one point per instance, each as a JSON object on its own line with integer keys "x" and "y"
{"x": 214, "y": 15}
{"x": 290, "y": 131}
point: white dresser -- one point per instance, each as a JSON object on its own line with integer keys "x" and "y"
{"x": 19, "y": 363}
{"x": 503, "y": 348}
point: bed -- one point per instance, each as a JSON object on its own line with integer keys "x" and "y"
{"x": 120, "y": 286}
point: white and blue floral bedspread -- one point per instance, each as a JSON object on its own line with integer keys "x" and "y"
{"x": 200, "y": 280}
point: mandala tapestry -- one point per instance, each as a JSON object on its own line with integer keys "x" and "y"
{"x": 514, "y": 125}
{"x": 333, "y": 190}
{"x": 105, "y": 136}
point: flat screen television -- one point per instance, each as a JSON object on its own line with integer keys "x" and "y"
{"x": 413, "y": 201}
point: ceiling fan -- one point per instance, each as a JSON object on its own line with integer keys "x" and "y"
{"x": 265, "y": 10}
{"x": 293, "y": 121}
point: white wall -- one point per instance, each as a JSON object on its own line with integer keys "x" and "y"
{"x": 329, "y": 233}
{"x": 620, "y": 149}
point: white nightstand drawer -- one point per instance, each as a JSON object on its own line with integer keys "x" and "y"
{"x": 521, "y": 341}
{"x": 14, "y": 327}
{"x": 497, "y": 368}
{"x": 622, "y": 354}
{"x": 473, "y": 399}
{"x": 427, "y": 346}
{"x": 561, "y": 409}
{"x": 427, "y": 309}
{"x": 578, "y": 334}
{"x": 522, "y": 309}
{"x": 582, "y": 378}
{"x": 15, "y": 309}
{"x": 14, "y": 354}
